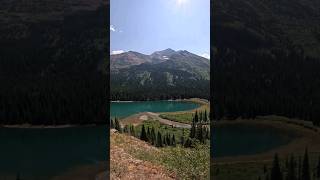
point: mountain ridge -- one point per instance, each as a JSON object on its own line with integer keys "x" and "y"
{"x": 169, "y": 73}
{"x": 129, "y": 58}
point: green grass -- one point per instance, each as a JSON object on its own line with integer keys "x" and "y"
{"x": 186, "y": 116}
{"x": 239, "y": 171}
{"x": 186, "y": 163}
{"x": 181, "y": 117}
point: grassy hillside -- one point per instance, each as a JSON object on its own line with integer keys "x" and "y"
{"x": 142, "y": 160}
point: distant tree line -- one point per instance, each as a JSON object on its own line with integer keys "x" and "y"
{"x": 161, "y": 91}
{"x": 279, "y": 80}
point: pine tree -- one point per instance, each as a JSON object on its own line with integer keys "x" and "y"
{"x": 291, "y": 169}
{"x": 129, "y": 131}
{"x": 188, "y": 143}
{"x": 299, "y": 168}
{"x": 267, "y": 177}
{"x": 18, "y": 176}
{"x": 117, "y": 125}
{"x": 199, "y": 132}
{"x": 125, "y": 129}
{"x": 196, "y": 118}
{"x": 149, "y": 135}
{"x": 168, "y": 140}
{"x": 208, "y": 133}
{"x": 193, "y": 129}
{"x": 265, "y": 169}
{"x": 153, "y": 136}
{"x": 204, "y": 133}
{"x": 318, "y": 168}
{"x": 164, "y": 139}
{"x": 143, "y": 134}
{"x": 133, "y": 132}
{"x": 276, "y": 171}
{"x": 173, "y": 140}
{"x": 287, "y": 162}
{"x": 182, "y": 140}
{"x": 159, "y": 140}
{"x": 112, "y": 124}
{"x": 305, "y": 167}
{"x": 205, "y": 116}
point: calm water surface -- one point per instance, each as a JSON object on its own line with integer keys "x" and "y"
{"x": 239, "y": 139}
{"x": 43, "y": 153}
{"x": 124, "y": 109}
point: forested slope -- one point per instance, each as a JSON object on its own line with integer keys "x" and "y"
{"x": 266, "y": 58}
{"x": 53, "y": 66}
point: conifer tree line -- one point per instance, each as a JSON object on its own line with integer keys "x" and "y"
{"x": 293, "y": 168}
{"x": 198, "y": 133}
{"x": 56, "y": 74}
{"x": 161, "y": 92}
{"x": 198, "y": 130}
{"x": 281, "y": 81}
{"x": 150, "y": 135}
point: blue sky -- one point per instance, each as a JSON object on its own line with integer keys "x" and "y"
{"x": 151, "y": 25}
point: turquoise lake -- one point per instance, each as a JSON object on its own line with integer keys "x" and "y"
{"x": 124, "y": 109}
{"x": 240, "y": 139}
{"x": 44, "y": 153}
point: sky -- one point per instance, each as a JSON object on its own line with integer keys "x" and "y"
{"x": 147, "y": 26}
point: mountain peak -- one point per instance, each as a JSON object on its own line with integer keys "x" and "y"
{"x": 165, "y": 52}
{"x": 168, "y": 50}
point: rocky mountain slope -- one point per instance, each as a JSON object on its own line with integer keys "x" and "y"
{"x": 167, "y": 73}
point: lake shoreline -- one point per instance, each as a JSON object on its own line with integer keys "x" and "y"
{"x": 197, "y": 104}
{"x": 304, "y": 137}
{"x": 88, "y": 171}
{"x": 201, "y": 102}
{"x": 30, "y": 126}
{"x": 196, "y": 100}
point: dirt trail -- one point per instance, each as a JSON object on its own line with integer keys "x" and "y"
{"x": 137, "y": 119}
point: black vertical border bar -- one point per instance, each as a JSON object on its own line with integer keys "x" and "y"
{"x": 212, "y": 39}
{"x": 107, "y": 58}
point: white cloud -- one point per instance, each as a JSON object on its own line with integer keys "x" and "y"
{"x": 205, "y": 55}
{"x": 117, "y": 52}
{"x": 112, "y": 28}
